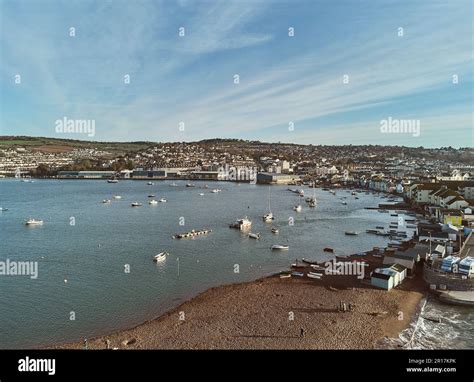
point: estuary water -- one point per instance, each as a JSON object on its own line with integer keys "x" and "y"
{"x": 95, "y": 268}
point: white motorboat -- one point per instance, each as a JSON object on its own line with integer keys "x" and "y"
{"x": 275, "y": 230}
{"x": 314, "y": 275}
{"x": 163, "y": 200}
{"x": 201, "y": 194}
{"x": 151, "y": 196}
{"x": 312, "y": 204}
{"x": 153, "y": 201}
{"x": 106, "y": 201}
{"x": 117, "y": 197}
{"x": 32, "y": 221}
{"x": 278, "y": 247}
{"x": 150, "y": 183}
{"x": 112, "y": 180}
{"x": 344, "y": 203}
{"x": 137, "y": 204}
{"x": 254, "y": 235}
{"x": 297, "y": 208}
{"x": 242, "y": 224}
{"x": 301, "y": 193}
{"x": 216, "y": 190}
{"x": 189, "y": 185}
{"x": 160, "y": 257}
{"x": 3, "y": 209}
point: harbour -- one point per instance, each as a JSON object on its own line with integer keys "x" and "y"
{"x": 105, "y": 239}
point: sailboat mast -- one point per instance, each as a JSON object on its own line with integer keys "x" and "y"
{"x": 269, "y": 197}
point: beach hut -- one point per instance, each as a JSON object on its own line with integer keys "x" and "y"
{"x": 407, "y": 258}
{"x": 401, "y": 273}
{"x": 384, "y": 278}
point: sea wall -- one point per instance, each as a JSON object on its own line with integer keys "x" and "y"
{"x": 450, "y": 281}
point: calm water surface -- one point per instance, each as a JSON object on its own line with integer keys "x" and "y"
{"x": 92, "y": 254}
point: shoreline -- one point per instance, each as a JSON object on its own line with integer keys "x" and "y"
{"x": 269, "y": 313}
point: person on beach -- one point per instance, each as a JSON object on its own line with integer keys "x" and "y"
{"x": 85, "y": 343}
{"x": 301, "y": 332}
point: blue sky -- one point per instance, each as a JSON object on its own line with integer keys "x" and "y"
{"x": 283, "y": 79}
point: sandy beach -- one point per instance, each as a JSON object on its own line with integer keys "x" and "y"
{"x": 270, "y": 313}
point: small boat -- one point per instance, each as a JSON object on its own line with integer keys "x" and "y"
{"x": 314, "y": 275}
{"x": 189, "y": 185}
{"x": 160, "y": 257}
{"x": 353, "y": 193}
{"x": 254, "y": 235}
{"x": 285, "y": 275}
{"x": 215, "y": 190}
{"x": 297, "y": 274}
{"x": 310, "y": 262}
{"x": 275, "y": 230}
{"x": 298, "y": 265}
{"x": 312, "y": 204}
{"x": 163, "y": 200}
{"x": 356, "y": 197}
{"x": 106, "y": 201}
{"x": 32, "y": 221}
{"x": 351, "y": 233}
{"x": 380, "y": 227}
{"x": 117, "y": 197}
{"x": 301, "y": 193}
{"x": 279, "y": 247}
{"x": 150, "y": 183}
{"x": 268, "y": 217}
{"x": 328, "y": 249}
{"x": 242, "y": 224}
{"x": 317, "y": 267}
{"x": 3, "y": 209}
{"x": 192, "y": 233}
{"x": 112, "y": 180}
{"x": 151, "y": 196}
{"x": 201, "y": 194}
{"x": 344, "y": 203}
{"x": 297, "y": 208}
{"x": 153, "y": 201}
{"x": 136, "y": 204}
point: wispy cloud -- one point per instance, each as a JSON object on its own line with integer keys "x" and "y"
{"x": 282, "y": 79}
